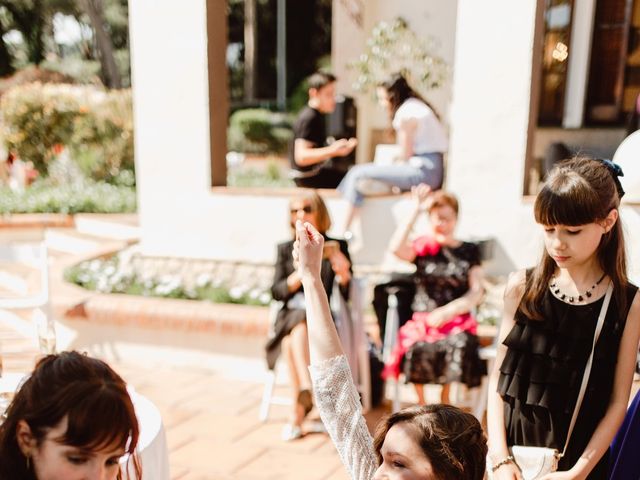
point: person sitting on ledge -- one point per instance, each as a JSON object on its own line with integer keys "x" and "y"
{"x": 421, "y": 139}
{"x": 312, "y": 159}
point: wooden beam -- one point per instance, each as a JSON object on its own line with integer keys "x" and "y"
{"x": 218, "y": 89}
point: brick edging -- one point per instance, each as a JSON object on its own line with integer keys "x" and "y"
{"x": 36, "y": 220}
{"x": 177, "y": 314}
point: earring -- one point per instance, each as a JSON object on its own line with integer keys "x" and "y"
{"x": 28, "y": 462}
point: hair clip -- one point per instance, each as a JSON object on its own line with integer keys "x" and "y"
{"x": 616, "y": 172}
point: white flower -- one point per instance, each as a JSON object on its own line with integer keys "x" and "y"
{"x": 203, "y": 279}
{"x": 237, "y": 292}
{"x": 264, "y": 298}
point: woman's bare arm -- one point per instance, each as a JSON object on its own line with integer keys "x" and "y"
{"x": 323, "y": 338}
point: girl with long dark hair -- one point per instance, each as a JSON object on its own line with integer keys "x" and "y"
{"x": 551, "y": 319}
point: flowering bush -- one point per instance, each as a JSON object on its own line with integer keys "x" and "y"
{"x": 95, "y": 125}
{"x": 117, "y": 274}
{"x": 87, "y": 197}
{"x": 394, "y": 48}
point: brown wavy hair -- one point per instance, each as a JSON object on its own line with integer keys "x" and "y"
{"x": 577, "y": 192}
{"x": 317, "y": 206}
{"x": 88, "y": 393}
{"x": 450, "y": 438}
{"x": 399, "y": 91}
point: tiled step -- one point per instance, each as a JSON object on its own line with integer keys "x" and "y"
{"x": 111, "y": 226}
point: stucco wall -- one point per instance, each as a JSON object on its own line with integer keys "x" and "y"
{"x": 489, "y": 118}
{"x": 432, "y": 18}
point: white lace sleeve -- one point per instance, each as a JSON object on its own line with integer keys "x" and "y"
{"x": 339, "y": 405}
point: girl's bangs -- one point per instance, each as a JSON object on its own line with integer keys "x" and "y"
{"x": 574, "y": 206}
{"x": 104, "y": 419}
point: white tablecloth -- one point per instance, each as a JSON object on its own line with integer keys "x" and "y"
{"x": 152, "y": 444}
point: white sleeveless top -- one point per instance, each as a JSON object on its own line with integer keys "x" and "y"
{"x": 430, "y": 136}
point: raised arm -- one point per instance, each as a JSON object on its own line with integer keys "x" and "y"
{"x": 336, "y": 396}
{"x": 307, "y": 253}
{"x": 608, "y": 426}
{"x": 400, "y": 245}
{"x": 498, "y": 450}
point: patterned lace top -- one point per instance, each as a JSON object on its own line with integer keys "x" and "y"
{"x": 339, "y": 405}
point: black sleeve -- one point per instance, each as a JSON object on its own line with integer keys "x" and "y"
{"x": 283, "y": 268}
{"x": 473, "y": 255}
{"x": 303, "y": 129}
{"x": 307, "y": 128}
{"x": 344, "y": 248}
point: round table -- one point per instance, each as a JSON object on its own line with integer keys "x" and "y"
{"x": 152, "y": 444}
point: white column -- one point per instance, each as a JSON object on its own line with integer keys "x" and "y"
{"x": 489, "y": 126}
{"x": 579, "y": 56}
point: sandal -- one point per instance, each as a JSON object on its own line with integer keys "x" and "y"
{"x": 305, "y": 401}
{"x": 291, "y": 432}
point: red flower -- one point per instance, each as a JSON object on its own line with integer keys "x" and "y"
{"x": 426, "y": 246}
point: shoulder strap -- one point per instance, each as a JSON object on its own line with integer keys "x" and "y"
{"x": 587, "y": 368}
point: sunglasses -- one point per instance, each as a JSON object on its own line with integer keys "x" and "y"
{"x": 305, "y": 209}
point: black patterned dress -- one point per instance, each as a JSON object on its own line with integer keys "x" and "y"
{"x": 448, "y": 353}
{"x": 543, "y": 368}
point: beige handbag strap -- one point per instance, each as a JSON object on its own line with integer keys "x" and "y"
{"x": 587, "y": 368}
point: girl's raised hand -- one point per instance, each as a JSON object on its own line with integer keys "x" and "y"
{"x": 307, "y": 249}
{"x": 421, "y": 194}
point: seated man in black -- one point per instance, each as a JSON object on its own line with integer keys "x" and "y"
{"x": 311, "y": 158}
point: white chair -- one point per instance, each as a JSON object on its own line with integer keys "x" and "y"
{"x": 477, "y": 398}
{"x": 268, "y": 398}
{"x": 34, "y": 256}
{"x": 349, "y": 324}
{"x": 25, "y": 257}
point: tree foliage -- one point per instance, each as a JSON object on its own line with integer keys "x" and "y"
{"x": 34, "y": 20}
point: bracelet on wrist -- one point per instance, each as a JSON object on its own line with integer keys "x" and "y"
{"x": 502, "y": 462}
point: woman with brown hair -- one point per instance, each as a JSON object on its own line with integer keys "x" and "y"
{"x": 569, "y": 331}
{"x": 290, "y": 329}
{"x": 436, "y": 442}
{"x": 72, "y": 419}
{"x": 439, "y": 345}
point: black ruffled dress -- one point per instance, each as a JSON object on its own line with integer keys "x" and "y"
{"x": 543, "y": 368}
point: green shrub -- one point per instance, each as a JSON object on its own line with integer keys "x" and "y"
{"x": 271, "y": 176}
{"x": 257, "y": 130}
{"x": 95, "y": 125}
{"x": 86, "y": 197}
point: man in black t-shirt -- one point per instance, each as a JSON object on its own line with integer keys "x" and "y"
{"x": 310, "y": 156}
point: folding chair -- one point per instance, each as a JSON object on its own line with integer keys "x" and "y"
{"x": 20, "y": 260}
{"x": 268, "y": 398}
{"x": 349, "y": 324}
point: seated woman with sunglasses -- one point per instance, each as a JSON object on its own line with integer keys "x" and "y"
{"x": 71, "y": 419}
{"x": 290, "y": 329}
